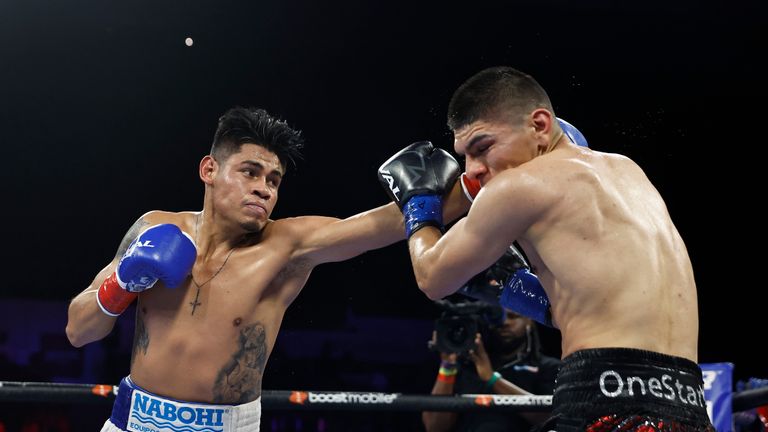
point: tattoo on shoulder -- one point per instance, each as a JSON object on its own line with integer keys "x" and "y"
{"x": 239, "y": 381}
{"x": 132, "y": 233}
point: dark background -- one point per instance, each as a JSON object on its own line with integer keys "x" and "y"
{"x": 105, "y": 114}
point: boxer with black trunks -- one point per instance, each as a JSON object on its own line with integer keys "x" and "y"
{"x": 223, "y": 278}
{"x": 629, "y": 390}
{"x": 615, "y": 274}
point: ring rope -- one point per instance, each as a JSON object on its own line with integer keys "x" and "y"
{"x": 12, "y": 391}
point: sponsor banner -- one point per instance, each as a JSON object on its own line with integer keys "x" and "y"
{"x": 303, "y": 398}
{"x": 510, "y": 400}
{"x": 403, "y": 402}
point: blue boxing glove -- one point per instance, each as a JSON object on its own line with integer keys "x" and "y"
{"x": 524, "y": 294}
{"x": 162, "y": 252}
{"x": 573, "y": 134}
{"x": 510, "y": 283}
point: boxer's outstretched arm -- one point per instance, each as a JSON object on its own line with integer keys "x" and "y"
{"x": 331, "y": 240}
{"x": 326, "y": 239}
{"x": 504, "y": 210}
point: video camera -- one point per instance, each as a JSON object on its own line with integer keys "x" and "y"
{"x": 456, "y": 328}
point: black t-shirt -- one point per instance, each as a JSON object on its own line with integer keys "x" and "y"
{"x": 537, "y": 379}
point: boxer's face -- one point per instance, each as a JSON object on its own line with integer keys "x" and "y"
{"x": 492, "y": 146}
{"x": 246, "y": 185}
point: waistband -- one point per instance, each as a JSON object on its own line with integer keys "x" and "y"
{"x": 596, "y": 382}
{"x": 136, "y": 409}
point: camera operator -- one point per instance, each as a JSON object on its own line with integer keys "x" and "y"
{"x": 512, "y": 364}
{"x": 504, "y": 357}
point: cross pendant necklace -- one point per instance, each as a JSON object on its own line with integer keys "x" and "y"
{"x": 196, "y": 303}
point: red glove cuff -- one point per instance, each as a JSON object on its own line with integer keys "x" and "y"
{"x": 112, "y": 299}
{"x": 470, "y": 187}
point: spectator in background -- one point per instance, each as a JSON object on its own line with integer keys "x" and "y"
{"x": 512, "y": 364}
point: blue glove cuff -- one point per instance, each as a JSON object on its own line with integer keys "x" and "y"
{"x": 423, "y": 210}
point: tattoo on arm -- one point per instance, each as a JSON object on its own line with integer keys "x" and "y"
{"x": 130, "y": 236}
{"x": 140, "y": 337}
{"x": 239, "y": 381}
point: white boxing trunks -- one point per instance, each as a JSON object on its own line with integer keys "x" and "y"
{"x": 138, "y": 410}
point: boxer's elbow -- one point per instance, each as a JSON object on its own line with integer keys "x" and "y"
{"x": 86, "y": 325}
{"x": 79, "y": 336}
{"x": 73, "y": 330}
{"x": 431, "y": 287}
{"x": 432, "y": 295}
{"x": 432, "y": 277}
{"x": 76, "y": 337}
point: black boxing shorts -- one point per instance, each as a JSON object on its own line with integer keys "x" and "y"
{"x": 623, "y": 389}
